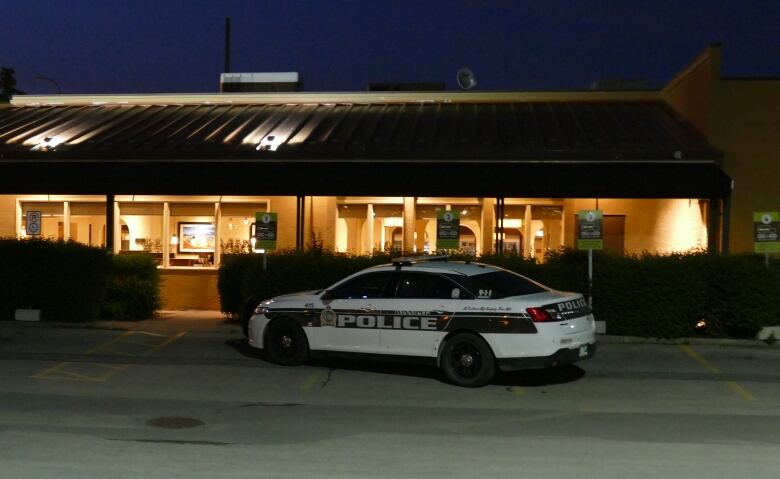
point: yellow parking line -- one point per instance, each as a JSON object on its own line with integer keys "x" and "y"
{"x": 743, "y": 393}
{"x": 517, "y": 391}
{"x": 695, "y": 356}
{"x": 59, "y": 371}
{"x": 736, "y": 387}
{"x": 310, "y": 380}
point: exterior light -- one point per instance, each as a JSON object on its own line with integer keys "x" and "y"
{"x": 47, "y": 144}
{"x": 174, "y": 240}
{"x": 270, "y": 142}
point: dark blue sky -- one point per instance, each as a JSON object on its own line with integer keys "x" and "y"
{"x": 134, "y": 46}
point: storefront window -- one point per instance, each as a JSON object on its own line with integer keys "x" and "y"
{"x": 388, "y": 231}
{"x": 235, "y": 226}
{"x": 88, "y": 223}
{"x": 52, "y": 219}
{"x": 141, "y": 228}
{"x": 546, "y": 229}
{"x": 193, "y": 235}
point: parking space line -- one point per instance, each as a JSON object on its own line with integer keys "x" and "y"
{"x": 310, "y": 380}
{"x": 65, "y": 370}
{"x": 736, "y": 387}
{"x": 517, "y": 391}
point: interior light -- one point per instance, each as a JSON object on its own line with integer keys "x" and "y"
{"x": 174, "y": 240}
{"x": 230, "y": 224}
{"x": 540, "y": 233}
{"x": 464, "y": 212}
{"x": 246, "y": 220}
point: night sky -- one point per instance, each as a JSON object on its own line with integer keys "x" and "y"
{"x": 143, "y": 46}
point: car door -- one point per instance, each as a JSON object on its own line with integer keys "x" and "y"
{"x": 349, "y": 322}
{"x": 420, "y": 306}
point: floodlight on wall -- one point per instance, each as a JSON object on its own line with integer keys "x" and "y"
{"x": 47, "y": 144}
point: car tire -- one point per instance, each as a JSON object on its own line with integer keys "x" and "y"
{"x": 286, "y": 343}
{"x": 466, "y": 360}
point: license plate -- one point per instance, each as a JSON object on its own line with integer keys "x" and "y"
{"x": 584, "y": 350}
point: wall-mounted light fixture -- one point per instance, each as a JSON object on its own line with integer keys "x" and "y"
{"x": 174, "y": 240}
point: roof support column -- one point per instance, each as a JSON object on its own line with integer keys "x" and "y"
{"x": 409, "y": 217}
{"x": 500, "y": 226}
{"x": 300, "y": 215}
{"x": 714, "y": 225}
{"x": 110, "y": 211}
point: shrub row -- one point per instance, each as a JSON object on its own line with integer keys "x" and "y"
{"x": 68, "y": 281}
{"x": 650, "y": 295}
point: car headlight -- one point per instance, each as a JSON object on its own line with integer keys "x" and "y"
{"x": 262, "y": 308}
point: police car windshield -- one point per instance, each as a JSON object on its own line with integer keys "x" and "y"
{"x": 498, "y": 284}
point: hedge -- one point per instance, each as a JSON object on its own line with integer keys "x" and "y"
{"x": 133, "y": 291}
{"x": 69, "y": 281}
{"x": 649, "y": 295}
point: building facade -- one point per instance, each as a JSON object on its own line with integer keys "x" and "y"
{"x": 183, "y": 176}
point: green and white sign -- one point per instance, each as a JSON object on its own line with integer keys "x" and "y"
{"x": 447, "y": 230}
{"x": 766, "y": 226}
{"x": 265, "y": 230}
{"x": 590, "y": 233}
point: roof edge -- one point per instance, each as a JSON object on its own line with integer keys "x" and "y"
{"x": 332, "y": 97}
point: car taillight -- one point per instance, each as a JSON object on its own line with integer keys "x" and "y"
{"x": 539, "y": 315}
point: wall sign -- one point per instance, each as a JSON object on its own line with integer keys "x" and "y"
{"x": 33, "y": 223}
{"x": 591, "y": 229}
{"x": 265, "y": 230}
{"x": 766, "y": 226}
{"x": 447, "y": 229}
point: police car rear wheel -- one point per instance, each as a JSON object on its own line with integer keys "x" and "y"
{"x": 285, "y": 343}
{"x": 467, "y": 361}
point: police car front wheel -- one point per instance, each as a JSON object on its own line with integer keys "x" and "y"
{"x": 285, "y": 343}
{"x": 467, "y": 360}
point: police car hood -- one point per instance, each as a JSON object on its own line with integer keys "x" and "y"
{"x": 297, "y": 296}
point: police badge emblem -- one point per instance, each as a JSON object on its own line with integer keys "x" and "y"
{"x": 328, "y": 318}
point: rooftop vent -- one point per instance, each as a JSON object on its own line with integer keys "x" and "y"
{"x": 260, "y": 82}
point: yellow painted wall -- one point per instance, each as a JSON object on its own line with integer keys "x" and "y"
{"x": 661, "y": 225}
{"x": 285, "y": 206}
{"x": 741, "y": 118}
{"x": 746, "y": 125}
{"x": 322, "y": 218}
{"x": 189, "y": 288}
{"x": 7, "y": 216}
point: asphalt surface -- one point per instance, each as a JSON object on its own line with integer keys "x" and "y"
{"x": 184, "y": 396}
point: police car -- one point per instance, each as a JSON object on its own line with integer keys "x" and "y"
{"x": 469, "y": 319}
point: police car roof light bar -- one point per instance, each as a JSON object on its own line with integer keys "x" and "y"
{"x": 410, "y": 260}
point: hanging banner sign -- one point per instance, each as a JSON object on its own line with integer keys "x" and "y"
{"x": 766, "y": 226}
{"x": 590, "y": 233}
{"x": 447, "y": 230}
{"x": 265, "y": 230}
{"x": 33, "y": 223}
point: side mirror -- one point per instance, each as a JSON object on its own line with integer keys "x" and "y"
{"x": 327, "y": 295}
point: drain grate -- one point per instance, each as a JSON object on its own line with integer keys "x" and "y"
{"x": 175, "y": 422}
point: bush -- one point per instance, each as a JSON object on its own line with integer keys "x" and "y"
{"x": 650, "y": 295}
{"x": 133, "y": 291}
{"x": 69, "y": 281}
{"x": 65, "y": 280}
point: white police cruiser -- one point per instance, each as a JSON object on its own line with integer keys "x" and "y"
{"x": 466, "y": 318}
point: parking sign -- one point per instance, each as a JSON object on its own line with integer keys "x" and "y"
{"x": 33, "y": 223}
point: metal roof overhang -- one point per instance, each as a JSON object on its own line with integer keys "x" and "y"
{"x": 374, "y": 177}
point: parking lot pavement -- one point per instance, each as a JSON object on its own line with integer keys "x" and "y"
{"x": 655, "y": 410}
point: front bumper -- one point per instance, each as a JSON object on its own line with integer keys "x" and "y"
{"x": 562, "y": 356}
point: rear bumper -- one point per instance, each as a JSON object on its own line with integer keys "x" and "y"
{"x": 562, "y": 356}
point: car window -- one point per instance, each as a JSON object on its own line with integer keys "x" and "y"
{"x": 427, "y": 286}
{"x": 498, "y": 284}
{"x": 365, "y": 286}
